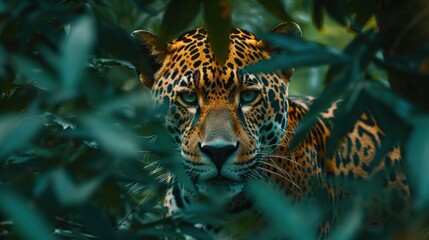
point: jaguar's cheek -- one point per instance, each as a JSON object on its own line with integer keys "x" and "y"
{"x": 189, "y": 146}
{"x": 248, "y": 145}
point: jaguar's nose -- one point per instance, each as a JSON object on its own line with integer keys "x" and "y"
{"x": 219, "y": 152}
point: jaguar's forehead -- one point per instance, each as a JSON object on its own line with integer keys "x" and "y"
{"x": 192, "y": 51}
{"x": 201, "y": 34}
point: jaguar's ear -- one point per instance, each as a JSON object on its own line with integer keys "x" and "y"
{"x": 152, "y": 46}
{"x": 287, "y": 29}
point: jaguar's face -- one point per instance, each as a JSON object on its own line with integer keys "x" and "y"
{"x": 223, "y": 120}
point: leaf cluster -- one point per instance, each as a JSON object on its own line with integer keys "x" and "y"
{"x": 82, "y": 155}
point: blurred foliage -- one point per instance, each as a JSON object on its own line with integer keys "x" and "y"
{"x": 82, "y": 156}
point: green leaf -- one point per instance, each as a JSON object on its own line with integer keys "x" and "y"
{"x": 172, "y": 160}
{"x": 16, "y": 130}
{"x": 178, "y": 16}
{"x": 350, "y": 224}
{"x": 336, "y": 9}
{"x": 333, "y": 92}
{"x": 417, "y": 152}
{"x": 394, "y": 115}
{"x": 3, "y": 7}
{"x": 288, "y": 220}
{"x": 218, "y": 20}
{"x": 103, "y": 62}
{"x": 166, "y": 232}
{"x": 192, "y": 231}
{"x": 347, "y": 113}
{"x": 394, "y": 128}
{"x": 362, "y": 17}
{"x": 209, "y": 211}
{"x": 410, "y": 63}
{"x": 28, "y": 222}
{"x": 318, "y": 7}
{"x": 144, "y": 5}
{"x": 51, "y": 119}
{"x": 363, "y": 10}
{"x": 361, "y": 50}
{"x": 95, "y": 221}
{"x": 297, "y": 53}
{"x": 75, "y": 50}
{"x": 136, "y": 100}
{"x": 110, "y": 136}
{"x": 34, "y": 74}
{"x": 67, "y": 234}
{"x": 70, "y": 194}
{"x": 122, "y": 46}
{"x": 277, "y": 9}
{"x": 287, "y": 61}
{"x": 398, "y": 105}
{"x": 296, "y": 45}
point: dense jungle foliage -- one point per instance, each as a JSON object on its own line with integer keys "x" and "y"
{"x": 83, "y": 157}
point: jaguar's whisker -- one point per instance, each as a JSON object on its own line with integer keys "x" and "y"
{"x": 279, "y": 175}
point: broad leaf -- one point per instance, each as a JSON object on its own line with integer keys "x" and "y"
{"x": 130, "y": 102}
{"x": 363, "y": 10}
{"x": 178, "y": 16}
{"x": 350, "y": 224}
{"x": 336, "y": 9}
{"x": 288, "y": 220}
{"x": 347, "y": 113}
{"x": 75, "y": 50}
{"x": 295, "y": 52}
{"x": 332, "y": 93}
{"x": 122, "y": 46}
{"x": 277, "y": 9}
{"x": 3, "y": 7}
{"x": 417, "y": 161}
{"x": 110, "y": 136}
{"x": 34, "y": 74}
{"x": 218, "y": 19}
{"x": 387, "y": 119}
{"x": 16, "y": 130}
{"x": 28, "y": 222}
{"x": 95, "y": 222}
{"x": 194, "y": 231}
{"x": 318, "y": 7}
{"x": 68, "y": 193}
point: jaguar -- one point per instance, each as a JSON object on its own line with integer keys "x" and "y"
{"x": 232, "y": 126}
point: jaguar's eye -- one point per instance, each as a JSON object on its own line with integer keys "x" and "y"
{"x": 248, "y": 97}
{"x": 188, "y": 98}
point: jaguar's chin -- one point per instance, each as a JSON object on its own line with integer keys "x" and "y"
{"x": 220, "y": 187}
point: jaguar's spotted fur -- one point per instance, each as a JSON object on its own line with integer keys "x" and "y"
{"x": 232, "y": 126}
